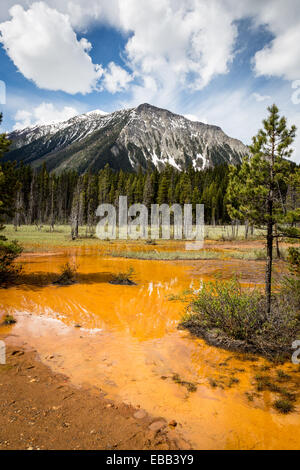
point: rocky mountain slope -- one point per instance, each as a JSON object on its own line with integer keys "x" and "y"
{"x": 145, "y": 137}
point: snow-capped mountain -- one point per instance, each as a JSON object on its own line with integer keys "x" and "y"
{"x": 146, "y": 137}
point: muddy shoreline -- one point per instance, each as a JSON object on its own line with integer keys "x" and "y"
{"x": 221, "y": 340}
{"x": 42, "y": 410}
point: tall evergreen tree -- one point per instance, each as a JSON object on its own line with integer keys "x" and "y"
{"x": 255, "y": 192}
{"x": 7, "y": 183}
{"x": 148, "y": 193}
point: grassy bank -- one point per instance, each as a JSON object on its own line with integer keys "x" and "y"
{"x": 32, "y": 234}
{"x": 37, "y": 239}
{"x": 34, "y": 238}
{"x": 204, "y": 254}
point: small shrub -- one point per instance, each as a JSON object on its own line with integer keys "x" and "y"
{"x": 228, "y": 316}
{"x": 67, "y": 275}
{"x": 232, "y": 381}
{"x": 294, "y": 261}
{"x": 150, "y": 242}
{"x": 282, "y": 376}
{"x": 291, "y": 284}
{"x": 9, "y": 251}
{"x": 265, "y": 382}
{"x": 190, "y": 386}
{"x": 124, "y": 278}
{"x": 212, "y": 382}
{"x": 260, "y": 254}
{"x": 250, "y": 396}
{"x": 283, "y": 406}
{"x": 223, "y": 305}
{"x": 290, "y": 396}
{"x": 9, "y": 320}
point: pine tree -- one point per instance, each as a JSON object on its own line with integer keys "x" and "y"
{"x": 9, "y": 251}
{"x": 53, "y": 187}
{"x": 6, "y": 195}
{"x": 255, "y": 191}
{"x": 162, "y": 196}
{"x": 76, "y": 211}
{"x": 148, "y": 193}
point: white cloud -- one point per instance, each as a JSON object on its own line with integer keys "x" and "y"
{"x": 281, "y": 18}
{"x": 45, "y": 113}
{"x": 177, "y": 42}
{"x": 43, "y": 46}
{"x": 116, "y": 78}
{"x": 169, "y": 42}
{"x": 171, "y": 46}
{"x": 281, "y": 58}
{"x": 258, "y": 97}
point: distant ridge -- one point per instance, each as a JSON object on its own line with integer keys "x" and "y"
{"x": 143, "y": 137}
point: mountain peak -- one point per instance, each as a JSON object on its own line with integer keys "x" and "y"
{"x": 97, "y": 112}
{"x": 143, "y": 137}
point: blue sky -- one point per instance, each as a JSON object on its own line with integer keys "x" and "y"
{"x": 219, "y": 61}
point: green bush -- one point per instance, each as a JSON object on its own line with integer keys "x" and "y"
{"x": 9, "y": 251}
{"x": 124, "y": 278}
{"x": 223, "y": 305}
{"x": 284, "y": 406}
{"x": 294, "y": 261}
{"x": 9, "y": 320}
{"x": 237, "y": 318}
{"x": 291, "y": 284}
{"x": 67, "y": 275}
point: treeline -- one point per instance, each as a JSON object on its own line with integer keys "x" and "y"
{"x": 43, "y": 198}
{"x": 40, "y": 197}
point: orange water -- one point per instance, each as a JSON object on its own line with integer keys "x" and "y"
{"x": 130, "y": 347}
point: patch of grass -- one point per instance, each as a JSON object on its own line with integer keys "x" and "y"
{"x": 9, "y": 320}
{"x": 250, "y": 396}
{"x": 233, "y": 381}
{"x": 212, "y": 382}
{"x": 291, "y": 396}
{"x": 124, "y": 278}
{"x": 246, "y": 358}
{"x": 282, "y": 376}
{"x": 224, "y": 233}
{"x": 190, "y": 386}
{"x": 150, "y": 242}
{"x": 173, "y": 297}
{"x": 183, "y": 297}
{"x": 67, "y": 275}
{"x": 167, "y": 255}
{"x": 265, "y": 368}
{"x": 265, "y": 382}
{"x": 187, "y": 255}
{"x": 284, "y": 406}
{"x": 41, "y": 238}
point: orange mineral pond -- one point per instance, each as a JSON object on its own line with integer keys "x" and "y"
{"x": 128, "y": 345}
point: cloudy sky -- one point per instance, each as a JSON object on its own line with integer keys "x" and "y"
{"x": 217, "y": 61}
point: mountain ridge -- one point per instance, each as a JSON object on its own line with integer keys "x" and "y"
{"x": 145, "y": 137}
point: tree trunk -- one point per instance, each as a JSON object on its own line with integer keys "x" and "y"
{"x": 74, "y": 226}
{"x": 269, "y": 257}
{"x": 277, "y": 243}
{"x": 246, "y": 229}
